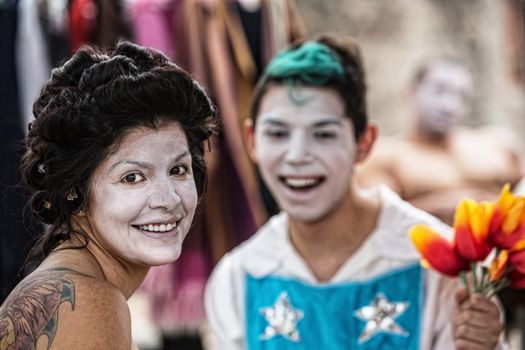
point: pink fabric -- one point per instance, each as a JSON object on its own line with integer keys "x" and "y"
{"x": 176, "y": 292}
{"x": 153, "y": 24}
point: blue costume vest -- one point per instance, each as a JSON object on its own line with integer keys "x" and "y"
{"x": 381, "y": 313}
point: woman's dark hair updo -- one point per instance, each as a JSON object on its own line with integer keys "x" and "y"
{"x": 85, "y": 109}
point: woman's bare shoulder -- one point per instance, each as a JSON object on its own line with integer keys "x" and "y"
{"x": 66, "y": 309}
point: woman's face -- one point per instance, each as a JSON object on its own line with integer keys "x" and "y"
{"x": 143, "y": 197}
{"x": 305, "y": 152}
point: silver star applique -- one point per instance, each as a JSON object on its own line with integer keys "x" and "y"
{"x": 282, "y": 319}
{"x": 380, "y": 317}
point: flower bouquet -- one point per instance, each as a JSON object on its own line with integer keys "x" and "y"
{"x": 488, "y": 241}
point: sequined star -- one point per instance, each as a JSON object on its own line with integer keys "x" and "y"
{"x": 282, "y": 319}
{"x": 380, "y": 317}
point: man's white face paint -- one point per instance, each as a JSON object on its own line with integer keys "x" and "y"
{"x": 306, "y": 151}
{"x": 442, "y": 98}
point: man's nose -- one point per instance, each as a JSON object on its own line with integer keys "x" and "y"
{"x": 298, "y": 149}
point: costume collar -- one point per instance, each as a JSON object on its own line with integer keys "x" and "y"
{"x": 270, "y": 249}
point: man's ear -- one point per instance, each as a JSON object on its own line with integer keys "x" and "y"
{"x": 249, "y": 136}
{"x": 366, "y": 142}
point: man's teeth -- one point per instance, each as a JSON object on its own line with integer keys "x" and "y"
{"x": 294, "y": 182}
{"x": 158, "y": 228}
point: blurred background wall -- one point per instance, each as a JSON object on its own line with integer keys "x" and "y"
{"x": 398, "y": 35}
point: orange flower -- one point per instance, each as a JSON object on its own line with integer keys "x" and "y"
{"x": 507, "y": 227}
{"x": 437, "y": 252}
{"x": 499, "y": 265}
{"x": 471, "y": 226}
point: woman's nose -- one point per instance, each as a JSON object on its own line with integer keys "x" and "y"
{"x": 164, "y": 195}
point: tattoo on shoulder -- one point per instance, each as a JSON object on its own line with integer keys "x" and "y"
{"x": 31, "y": 310}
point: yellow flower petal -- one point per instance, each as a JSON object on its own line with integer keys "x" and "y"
{"x": 514, "y": 215}
{"x": 506, "y": 199}
{"x": 480, "y": 219}
{"x": 462, "y": 214}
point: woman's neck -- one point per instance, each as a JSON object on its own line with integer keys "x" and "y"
{"x": 125, "y": 276}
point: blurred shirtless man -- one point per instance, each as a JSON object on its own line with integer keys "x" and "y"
{"x": 438, "y": 163}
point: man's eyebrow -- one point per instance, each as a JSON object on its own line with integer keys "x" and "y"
{"x": 328, "y": 122}
{"x": 273, "y": 121}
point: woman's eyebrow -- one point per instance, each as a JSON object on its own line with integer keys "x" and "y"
{"x": 146, "y": 165}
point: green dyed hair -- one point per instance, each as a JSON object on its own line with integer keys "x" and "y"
{"x": 330, "y": 61}
{"x": 312, "y": 63}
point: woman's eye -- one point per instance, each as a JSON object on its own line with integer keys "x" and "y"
{"x": 132, "y": 178}
{"x": 179, "y": 170}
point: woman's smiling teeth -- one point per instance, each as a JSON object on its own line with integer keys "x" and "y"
{"x": 158, "y": 228}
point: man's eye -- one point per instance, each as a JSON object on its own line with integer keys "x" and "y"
{"x": 325, "y": 134}
{"x": 132, "y": 178}
{"x": 276, "y": 133}
{"x": 179, "y": 170}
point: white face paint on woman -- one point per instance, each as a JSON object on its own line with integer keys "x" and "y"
{"x": 305, "y": 152}
{"x": 143, "y": 196}
{"x": 442, "y": 98}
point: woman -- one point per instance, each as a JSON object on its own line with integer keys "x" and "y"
{"x": 115, "y": 159}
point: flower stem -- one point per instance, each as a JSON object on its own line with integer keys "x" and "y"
{"x": 463, "y": 277}
{"x": 499, "y": 286}
{"x": 473, "y": 267}
{"x": 484, "y": 283}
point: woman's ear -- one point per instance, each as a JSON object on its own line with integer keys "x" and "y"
{"x": 366, "y": 142}
{"x": 249, "y": 136}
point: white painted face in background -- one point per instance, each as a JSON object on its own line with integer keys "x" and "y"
{"x": 305, "y": 152}
{"x": 143, "y": 196}
{"x": 442, "y": 98}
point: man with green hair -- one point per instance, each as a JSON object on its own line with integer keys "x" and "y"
{"x": 335, "y": 269}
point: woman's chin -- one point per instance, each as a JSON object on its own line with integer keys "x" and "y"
{"x": 164, "y": 259}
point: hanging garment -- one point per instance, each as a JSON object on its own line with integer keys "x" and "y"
{"x": 153, "y": 23}
{"x": 53, "y": 15}
{"x": 18, "y": 227}
{"x": 212, "y": 45}
{"x": 99, "y": 22}
{"x": 33, "y": 67}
